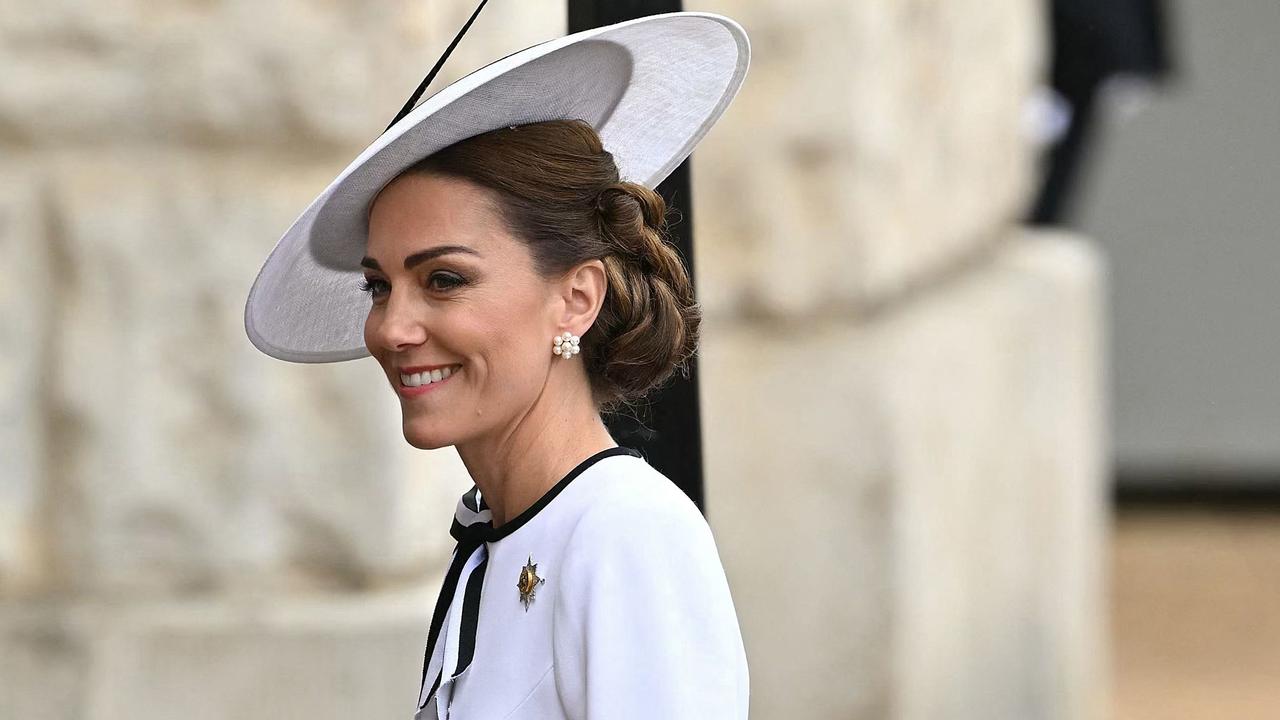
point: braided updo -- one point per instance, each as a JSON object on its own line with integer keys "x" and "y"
{"x": 559, "y": 190}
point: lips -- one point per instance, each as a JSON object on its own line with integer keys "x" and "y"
{"x": 410, "y": 369}
{"x": 418, "y": 376}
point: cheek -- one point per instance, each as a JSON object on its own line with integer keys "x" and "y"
{"x": 504, "y": 357}
{"x": 371, "y": 323}
{"x": 512, "y": 349}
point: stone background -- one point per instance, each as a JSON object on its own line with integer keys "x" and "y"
{"x": 182, "y": 518}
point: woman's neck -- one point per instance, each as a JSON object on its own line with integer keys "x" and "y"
{"x": 519, "y": 464}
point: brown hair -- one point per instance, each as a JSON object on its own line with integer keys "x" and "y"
{"x": 559, "y": 190}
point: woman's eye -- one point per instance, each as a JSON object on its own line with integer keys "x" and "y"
{"x": 445, "y": 281}
{"x": 374, "y": 286}
{"x": 438, "y": 281}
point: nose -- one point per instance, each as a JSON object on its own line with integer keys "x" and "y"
{"x": 397, "y": 325}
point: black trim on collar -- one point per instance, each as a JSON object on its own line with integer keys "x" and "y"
{"x": 470, "y": 539}
{"x": 485, "y": 532}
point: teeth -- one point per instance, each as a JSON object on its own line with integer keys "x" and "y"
{"x": 426, "y": 378}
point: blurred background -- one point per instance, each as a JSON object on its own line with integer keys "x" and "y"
{"x": 989, "y": 284}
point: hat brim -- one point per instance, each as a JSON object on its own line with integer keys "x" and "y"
{"x": 651, "y": 88}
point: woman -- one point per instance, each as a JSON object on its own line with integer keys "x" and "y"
{"x": 516, "y": 286}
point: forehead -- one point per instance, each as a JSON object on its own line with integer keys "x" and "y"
{"x": 417, "y": 212}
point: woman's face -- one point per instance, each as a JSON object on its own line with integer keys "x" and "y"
{"x": 456, "y": 299}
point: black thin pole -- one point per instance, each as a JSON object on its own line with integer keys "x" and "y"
{"x": 422, "y": 86}
{"x": 670, "y": 433}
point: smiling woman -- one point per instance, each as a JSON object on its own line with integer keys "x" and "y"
{"x": 529, "y": 231}
{"x": 584, "y": 584}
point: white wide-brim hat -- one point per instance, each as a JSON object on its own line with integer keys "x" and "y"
{"x": 650, "y": 87}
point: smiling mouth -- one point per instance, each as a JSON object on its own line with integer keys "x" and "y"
{"x": 413, "y": 380}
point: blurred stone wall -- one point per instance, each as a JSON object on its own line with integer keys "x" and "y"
{"x": 187, "y": 527}
{"x": 904, "y": 397}
{"x": 902, "y": 389}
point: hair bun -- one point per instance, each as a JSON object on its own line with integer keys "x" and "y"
{"x": 652, "y": 319}
{"x": 620, "y": 198}
{"x": 633, "y": 223}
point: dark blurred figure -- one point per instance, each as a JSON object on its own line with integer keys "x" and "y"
{"x": 1093, "y": 41}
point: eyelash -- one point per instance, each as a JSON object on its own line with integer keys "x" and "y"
{"x": 454, "y": 281}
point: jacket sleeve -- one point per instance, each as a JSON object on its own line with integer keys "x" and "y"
{"x": 644, "y": 625}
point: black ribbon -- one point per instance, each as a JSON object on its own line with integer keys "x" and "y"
{"x": 450, "y": 586}
{"x": 470, "y": 538}
{"x": 422, "y": 87}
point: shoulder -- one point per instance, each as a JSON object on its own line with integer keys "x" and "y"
{"x": 628, "y": 500}
{"x": 635, "y": 528}
{"x": 644, "y": 624}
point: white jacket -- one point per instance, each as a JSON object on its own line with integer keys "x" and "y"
{"x": 628, "y": 610}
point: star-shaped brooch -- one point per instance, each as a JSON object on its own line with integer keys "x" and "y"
{"x": 528, "y": 582}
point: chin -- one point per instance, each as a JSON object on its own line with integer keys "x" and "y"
{"x": 426, "y": 438}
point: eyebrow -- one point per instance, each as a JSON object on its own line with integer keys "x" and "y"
{"x": 421, "y": 256}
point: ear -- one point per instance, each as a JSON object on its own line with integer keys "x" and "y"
{"x": 582, "y": 292}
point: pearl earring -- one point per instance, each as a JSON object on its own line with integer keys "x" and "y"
{"x": 566, "y": 345}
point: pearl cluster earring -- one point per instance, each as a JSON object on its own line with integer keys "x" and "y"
{"x": 566, "y": 345}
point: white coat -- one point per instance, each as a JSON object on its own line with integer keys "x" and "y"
{"x": 605, "y": 600}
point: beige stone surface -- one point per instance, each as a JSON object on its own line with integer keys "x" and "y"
{"x": 317, "y": 657}
{"x": 237, "y": 73}
{"x": 995, "y": 389}
{"x": 185, "y": 460}
{"x": 873, "y": 145}
{"x": 45, "y": 662}
{"x": 914, "y": 528}
{"x": 28, "y": 298}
